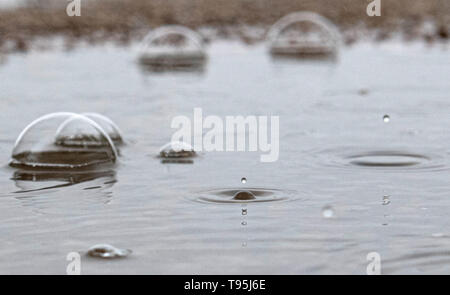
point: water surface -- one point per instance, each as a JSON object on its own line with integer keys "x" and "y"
{"x": 331, "y": 115}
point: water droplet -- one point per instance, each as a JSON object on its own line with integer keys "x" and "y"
{"x": 244, "y": 196}
{"x": 244, "y": 223}
{"x": 244, "y": 180}
{"x": 327, "y": 212}
{"x": 386, "y": 200}
{"x": 386, "y": 118}
{"x": 244, "y": 211}
{"x": 107, "y": 251}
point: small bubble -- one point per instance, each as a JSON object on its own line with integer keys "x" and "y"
{"x": 107, "y": 251}
{"x": 244, "y": 180}
{"x": 386, "y": 118}
{"x": 363, "y": 91}
{"x": 244, "y": 211}
{"x": 327, "y": 212}
{"x": 386, "y": 200}
{"x": 244, "y": 223}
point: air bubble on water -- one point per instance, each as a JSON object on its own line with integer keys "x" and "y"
{"x": 63, "y": 141}
{"x": 386, "y": 200}
{"x": 172, "y": 46}
{"x": 386, "y": 118}
{"x": 107, "y": 251}
{"x": 303, "y": 34}
{"x": 244, "y": 180}
{"x": 177, "y": 149}
{"x": 327, "y": 212}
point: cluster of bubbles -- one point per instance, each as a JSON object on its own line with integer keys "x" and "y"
{"x": 66, "y": 147}
{"x": 299, "y": 34}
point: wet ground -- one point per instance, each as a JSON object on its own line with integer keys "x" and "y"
{"x": 363, "y": 167}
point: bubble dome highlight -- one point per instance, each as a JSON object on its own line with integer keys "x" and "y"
{"x": 174, "y": 47}
{"x": 108, "y": 126}
{"x": 63, "y": 141}
{"x": 303, "y": 34}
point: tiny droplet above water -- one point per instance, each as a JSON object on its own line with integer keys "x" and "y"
{"x": 244, "y": 211}
{"x": 244, "y": 223}
{"x": 327, "y": 212}
{"x": 244, "y": 180}
{"x": 386, "y": 200}
{"x": 386, "y": 118}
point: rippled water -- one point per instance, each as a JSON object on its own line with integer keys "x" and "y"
{"x": 339, "y": 159}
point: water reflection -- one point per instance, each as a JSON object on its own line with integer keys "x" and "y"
{"x": 30, "y": 181}
{"x": 48, "y": 193}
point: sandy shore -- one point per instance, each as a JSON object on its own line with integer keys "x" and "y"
{"x": 125, "y": 20}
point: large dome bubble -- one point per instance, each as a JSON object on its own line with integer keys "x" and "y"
{"x": 303, "y": 34}
{"x": 173, "y": 47}
{"x": 63, "y": 141}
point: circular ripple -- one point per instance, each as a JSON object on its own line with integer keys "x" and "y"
{"x": 387, "y": 159}
{"x": 392, "y": 160}
{"x": 247, "y": 195}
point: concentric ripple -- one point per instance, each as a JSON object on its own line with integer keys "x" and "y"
{"x": 392, "y": 160}
{"x": 244, "y": 195}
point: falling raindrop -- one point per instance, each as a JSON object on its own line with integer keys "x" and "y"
{"x": 107, "y": 251}
{"x": 386, "y": 118}
{"x": 386, "y": 200}
{"x": 244, "y": 211}
{"x": 244, "y": 180}
{"x": 327, "y": 212}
